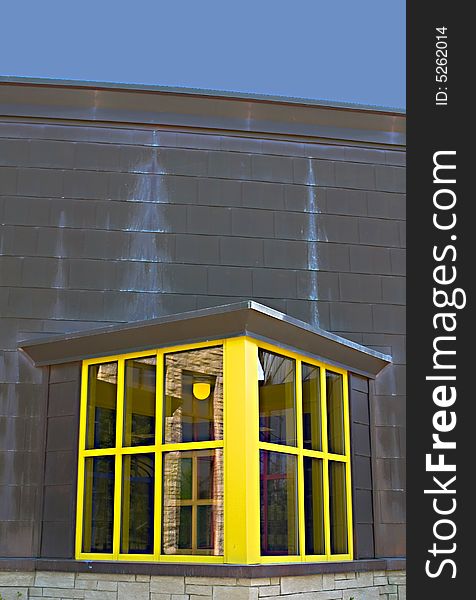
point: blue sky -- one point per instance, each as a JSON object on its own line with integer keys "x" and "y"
{"x": 340, "y": 50}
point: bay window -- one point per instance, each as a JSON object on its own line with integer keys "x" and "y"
{"x": 231, "y": 451}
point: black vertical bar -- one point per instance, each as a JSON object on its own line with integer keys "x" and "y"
{"x": 440, "y": 120}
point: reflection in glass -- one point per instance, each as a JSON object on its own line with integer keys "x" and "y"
{"x": 193, "y": 502}
{"x": 277, "y": 414}
{"x": 137, "y": 518}
{"x": 314, "y": 506}
{"x": 186, "y": 474}
{"x": 193, "y": 410}
{"x": 184, "y": 530}
{"x": 335, "y": 412}
{"x": 139, "y": 401}
{"x": 338, "y": 508}
{"x": 278, "y": 479}
{"x": 98, "y": 504}
{"x": 311, "y": 407}
{"x": 205, "y": 526}
{"x": 101, "y": 410}
{"x": 205, "y": 476}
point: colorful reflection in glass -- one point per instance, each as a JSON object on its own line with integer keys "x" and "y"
{"x": 278, "y": 479}
{"x": 193, "y": 502}
{"x": 277, "y": 413}
{"x": 193, "y": 410}
{"x": 139, "y": 401}
{"x": 101, "y": 408}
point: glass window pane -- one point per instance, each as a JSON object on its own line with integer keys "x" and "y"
{"x": 185, "y": 530}
{"x": 185, "y": 473}
{"x": 314, "y": 506}
{"x": 102, "y": 401}
{"x": 335, "y": 412}
{"x": 338, "y": 507}
{"x": 205, "y": 527}
{"x": 137, "y": 519}
{"x": 311, "y": 407}
{"x": 277, "y": 414}
{"x": 278, "y": 479}
{"x": 193, "y": 502}
{"x": 98, "y": 504}
{"x": 139, "y": 401}
{"x": 205, "y": 477}
{"x": 193, "y": 410}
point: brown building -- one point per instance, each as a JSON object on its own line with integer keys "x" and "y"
{"x": 202, "y": 331}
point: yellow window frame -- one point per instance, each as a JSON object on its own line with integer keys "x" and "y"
{"x": 118, "y": 451}
{"x": 241, "y": 448}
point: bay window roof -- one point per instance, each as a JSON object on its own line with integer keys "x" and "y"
{"x": 246, "y": 318}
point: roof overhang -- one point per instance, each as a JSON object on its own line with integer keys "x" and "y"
{"x": 232, "y": 320}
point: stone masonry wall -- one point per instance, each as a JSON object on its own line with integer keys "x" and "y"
{"x": 372, "y": 585}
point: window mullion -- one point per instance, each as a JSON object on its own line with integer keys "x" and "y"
{"x": 327, "y": 512}
{"x": 81, "y": 469}
{"x": 282, "y": 448}
{"x": 325, "y": 449}
{"x": 194, "y": 501}
{"x": 300, "y": 482}
{"x": 325, "y": 444}
{"x": 159, "y": 401}
{"x": 125, "y": 506}
{"x": 118, "y": 473}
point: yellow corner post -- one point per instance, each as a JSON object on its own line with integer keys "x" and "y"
{"x": 241, "y": 456}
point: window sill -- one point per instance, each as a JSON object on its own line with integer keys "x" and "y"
{"x": 202, "y": 570}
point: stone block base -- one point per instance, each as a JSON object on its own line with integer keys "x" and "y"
{"x": 50, "y": 585}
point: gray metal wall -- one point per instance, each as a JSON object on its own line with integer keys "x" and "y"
{"x": 105, "y": 224}
{"x": 363, "y": 513}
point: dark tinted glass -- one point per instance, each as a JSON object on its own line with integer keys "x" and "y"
{"x": 311, "y": 407}
{"x": 184, "y": 533}
{"x": 205, "y": 527}
{"x": 98, "y": 504}
{"x": 137, "y": 519}
{"x": 314, "y": 506}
